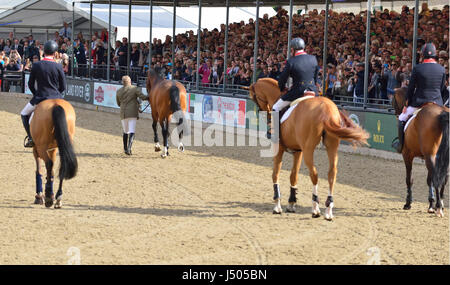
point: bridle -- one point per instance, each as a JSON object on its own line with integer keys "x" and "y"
{"x": 255, "y": 99}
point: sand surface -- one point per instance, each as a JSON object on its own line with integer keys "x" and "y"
{"x": 208, "y": 205}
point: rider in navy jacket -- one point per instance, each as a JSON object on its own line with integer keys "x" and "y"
{"x": 304, "y": 70}
{"x": 427, "y": 85}
{"x": 47, "y": 81}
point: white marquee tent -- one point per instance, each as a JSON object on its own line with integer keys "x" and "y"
{"x": 46, "y": 16}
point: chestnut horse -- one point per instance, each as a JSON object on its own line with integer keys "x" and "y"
{"x": 166, "y": 98}
{"x": 311, "y": 121}
{"x": 422, "y": 139}
{"x": 52, "y": 128}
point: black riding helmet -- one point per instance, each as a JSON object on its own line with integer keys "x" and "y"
{"x": 429, "y": 50}
{"x": 297, "y": 44}
{"x": 50, "y": 47}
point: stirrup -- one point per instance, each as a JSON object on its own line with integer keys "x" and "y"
{"x": 396, "y": 145}
{"x": 28, "y": 142}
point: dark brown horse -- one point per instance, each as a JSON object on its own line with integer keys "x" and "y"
{"x": 52, "y": 128}
{"x": 422, "y": 139}
{"x": 313, "y": 120}
{"x": 167, "y": 98}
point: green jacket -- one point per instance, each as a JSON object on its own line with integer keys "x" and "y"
{"x": 126, "y": 98}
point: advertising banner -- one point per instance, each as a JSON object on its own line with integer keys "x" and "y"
{"x": 382, "y": 129}
{"x": 78, "y": 91}
{"x": 224, "y": 111}
{"x": 105, "y": 94}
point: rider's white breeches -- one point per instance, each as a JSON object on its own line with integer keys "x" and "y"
{"x": 129, "y": 125}
{"x": 280, "y": 104}
{"x": 28, "y": 109}
{"x": 407, "y": 113}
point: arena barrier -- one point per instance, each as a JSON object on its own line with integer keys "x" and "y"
{"x": 224, "y": 110}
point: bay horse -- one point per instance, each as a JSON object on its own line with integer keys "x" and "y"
{"x": 167, "y": 98}
{"x": 422, "y": 139}
{"x": 312, "y": 120}
{"x": 52, "y": 128}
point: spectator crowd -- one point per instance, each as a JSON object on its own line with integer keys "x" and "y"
{"x": 390, "y": 50}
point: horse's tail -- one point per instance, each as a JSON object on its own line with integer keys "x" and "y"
{"x": 69, "y": 165}
{"x": 441, "y": 166}
{"x": 174, "y": 94}
{"x": 175, "y": 107}
{"x": 344, "y": 128}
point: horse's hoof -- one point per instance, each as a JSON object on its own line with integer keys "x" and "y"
{"x": 440, "y": 213}
{"x": 58, "y": 204}
{"x": 181, "y": 148}
{"x": 407, "y": 207}
{"x": 314, "y": 215}
{"x": 157, "y": 148}
{"x": 38, "y": 199}
{"x": 276, "y": 212}
{"x": 290, "y": 210}
{"x": 328, "y": 218}
{"x": 49, "y": 201}
{"x": 163, "y": 155}
{"x": 431, "y": 211}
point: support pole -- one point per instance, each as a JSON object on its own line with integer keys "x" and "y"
{"x": 289, "y": 30}
{"x": 416, "y": 20}
{"x": 197, "y": 80}
{"x": 255, "y": 48}
{"x": 174, "y": 24}
{"x": 108, "y": 63}
{"x": 90, "y": 41}
{"x": 150, "y": 40}
{"x": 129, "y": 39}
{"x": 72, "y": 58}
{"x": 325, "y": 50}
{"x": 225, "y": 58}
{"x": 366, "y": 53}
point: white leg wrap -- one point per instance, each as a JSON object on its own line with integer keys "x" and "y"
{"x": 315, "y": 204}
{"x": 329, "y": 212}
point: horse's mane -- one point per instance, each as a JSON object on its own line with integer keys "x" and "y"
{"x": 152, "y": 73}
{"x": 269, "y": 81}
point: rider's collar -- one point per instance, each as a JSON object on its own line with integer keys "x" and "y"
{"x": 49, "y": 58}
{"x": 300, "y": 52}
{"x": 429, "y": 60}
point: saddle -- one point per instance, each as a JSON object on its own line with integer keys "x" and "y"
{"x": 288, "y": 110}
{"x": 410, "y": 119}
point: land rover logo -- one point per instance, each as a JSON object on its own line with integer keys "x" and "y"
{"x": 354, "y": 118}
{"x": 87, "y": 92}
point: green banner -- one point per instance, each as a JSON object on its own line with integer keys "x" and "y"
{"x": 382, "y": 129}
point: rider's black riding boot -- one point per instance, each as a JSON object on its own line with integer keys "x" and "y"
{"x": 398, "y": 145}
{"x": 125, "y": 142}
{"x": 130, "y": 143}
{"x": 26, "y": 124}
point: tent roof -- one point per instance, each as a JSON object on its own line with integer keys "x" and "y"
{"x": 221, "y": 3}
{"x": 40, "y": 14}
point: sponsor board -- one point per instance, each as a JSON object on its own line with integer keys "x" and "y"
{"x": 105, "y": 94}
{"x": 224, "y": 111}
{"x": 78, "y": 91}
{"x": 382, "y": 129}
